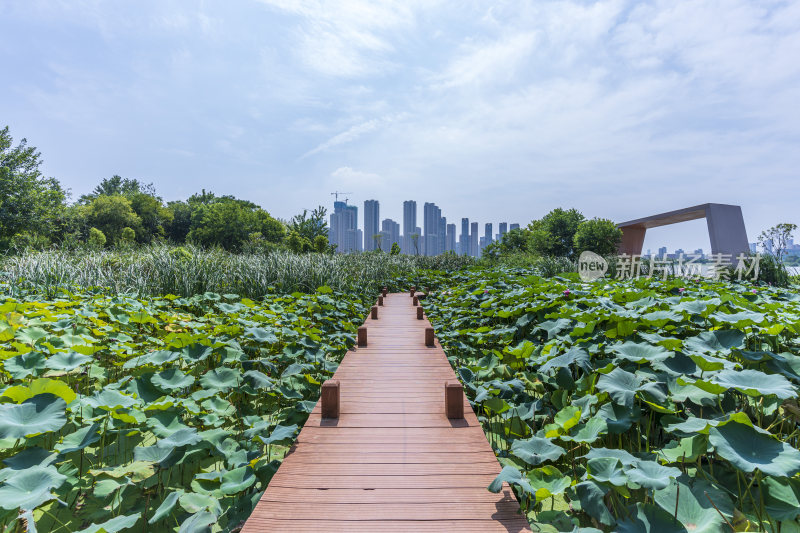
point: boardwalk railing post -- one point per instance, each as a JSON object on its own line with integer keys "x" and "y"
{"x": 411, "y": 292}
{"x": 362, "y": 336}
{"x": 374, "y": 312}
{"x": 428, "y": 336}
{"x": 453, "y": 400}
{"x": 419, "y": 313}
{"x": 380, "y": 300}
{"x": 384, "y": 291}
{"x": 415, "y": 301}
{"x": 330, "y": 398}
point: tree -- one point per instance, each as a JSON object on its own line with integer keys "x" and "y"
{"x": 28, "y": 201}
{"x": 321, "y": 244}
{"x": 395, "y": 249}
{"x": 112, "y": 214}
{"x": 415, "y": 241}
{"x": 117, "y": 185}
{"x": 554, "y": 234}
{"x": 177, "y": 226}
{"x": 310, "y": 227}
{"x": 598, "y": 235}
{"x": 378, "y": 239}
{"x": 228, "y": 223}
{"x": 776, "y": 239}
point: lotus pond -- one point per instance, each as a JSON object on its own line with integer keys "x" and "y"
{"x": 636, "y": 406}
{"x": 158, "y": 414}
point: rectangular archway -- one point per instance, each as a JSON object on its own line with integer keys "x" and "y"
{"x": 726, "y": 229}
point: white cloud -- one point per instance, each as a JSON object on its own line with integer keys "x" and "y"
{"x": 488, "y": 63}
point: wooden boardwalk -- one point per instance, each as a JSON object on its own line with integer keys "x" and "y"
{"x": 392, "y": 461}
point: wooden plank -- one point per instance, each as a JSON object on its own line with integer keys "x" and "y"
{"x": 391, "y": 461}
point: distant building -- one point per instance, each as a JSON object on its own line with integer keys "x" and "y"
{"x": 464, "y": 239}
{"x": 409, "y": 225}
{"x": 754, "y": 247}
{"x": 514, "y": 226}
{"x": 487, "y": 234}
{"x": 662, "y": 252}
{"x": 343, "y": 231}
{"x": 474, "y": 251}
{"x": 451, "y": 238}
{"x": 442, "y": 235}
{"x": 503, "y": 230}
{"x": 372, "y": 211}
{"x": 390, "y": 233}
{"x": 431, "y": 221}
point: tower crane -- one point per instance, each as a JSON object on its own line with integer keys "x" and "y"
{"x": 337, "y": 193}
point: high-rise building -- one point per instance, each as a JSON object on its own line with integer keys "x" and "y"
{"x": 409, "y": 225}
{"x": 473, "y": 240}
{"x": 463, "y": 241}
{"x": 503, "y": 230}
{"x": 662, "y": 252}
{"x": 372, "y": 210}
{"x": 513, "y": 226}
{"x": 430, "y": 221}
{"x": 451, "y": 238}
{"x": 343, "y": 231}
{"x": 442, "y": 234}
{"x": 390, "y": 233}
{"x": 487, "y": 234}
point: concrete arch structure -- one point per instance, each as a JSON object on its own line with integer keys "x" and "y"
{"x": 725, "y": 228}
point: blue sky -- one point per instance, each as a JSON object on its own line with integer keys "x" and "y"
{"x": 493, "y": 110}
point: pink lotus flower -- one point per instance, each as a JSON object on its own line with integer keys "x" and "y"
{"x": 566, "y": 292}
{"x": 485, "y": 291}
{"x": 681, "y": 289}
{"x": 754, "y": 291}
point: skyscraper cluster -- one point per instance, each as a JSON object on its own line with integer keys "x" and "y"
{"x": 435, "y": 236}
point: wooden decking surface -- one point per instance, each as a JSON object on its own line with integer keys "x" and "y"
{"x": 392, "y": 461}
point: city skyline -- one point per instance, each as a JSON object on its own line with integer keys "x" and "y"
{"x": 351, "y": 233}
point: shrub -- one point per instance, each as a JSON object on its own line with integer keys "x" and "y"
{"x": 97, "y": 239}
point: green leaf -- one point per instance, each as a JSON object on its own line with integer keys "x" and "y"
{"x": 112, "y": 526}
{"x": 29, "y": 488}
{"x": 166, "y": 506}
{"x": 536, "y": 450}
{"x": 512, "y": 476}
{"x": 606, "y": 470}
{"x": 647, "y": 518}
{"x": 27, "y": 364}
{"x": 590, "y": 495}
{"x": 237, "y": 480}
{"x": 620, "y": 385}
{"x": 198, "y": 523}
{"x": 80, "y": 439}
{"x": 171, "y": 379}
{"x": 110, "y": 399}
{"x": 694, "y": 504}
{"x": 66, "y": 361}
{"x": 715, "y": 341}
{"x": 640, "y": 352}
{"x": 280, "y": 434}
{"x": 40, "y": 414}
{"x": 548, "y": 481}
{"x": 221, "y": 379}
{"x": 651, "y": 475}
{"x": 748, "y": 450}
{"x": 756, "y": 383}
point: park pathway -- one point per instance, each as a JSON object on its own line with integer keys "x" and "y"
{"x": 392, "y": 460}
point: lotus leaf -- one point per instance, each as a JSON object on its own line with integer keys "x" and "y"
{"x": 647, "y": 518}
{"x": 756, "y": 383}
{"x": 748, "y": 450}
{"x": 113, "y": 525}
{"x": 172, "y": 379}
{"x": 66, "y": 361}
{"x": 512, "y": 476}
{"x": 651, "y": 475}
{"x": 694, "y": 509}
{"x": 80, "y": 439}
{"x": 221, "y": 379}
{"x": 40, "y": 414}
{"x": 29, "y": 488}
{"x": 536, "y": 450}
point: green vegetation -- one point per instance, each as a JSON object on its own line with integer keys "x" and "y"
{"x": 634, "y": 406}
{"x": 170, "y": 411}
{"x": 188, "y": 270}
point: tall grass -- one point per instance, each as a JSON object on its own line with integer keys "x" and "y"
{"x": 184, "y": 271}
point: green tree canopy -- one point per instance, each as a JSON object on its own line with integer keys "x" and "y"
{"x": 112, "y": 214}
{"x": 28, "y": 201}
{"x": 598, "y": 235}
{"x": 228, "y": 223}
{"x": 554, "y": 234}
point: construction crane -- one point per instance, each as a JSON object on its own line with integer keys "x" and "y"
{"x": 337, "y": 193}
